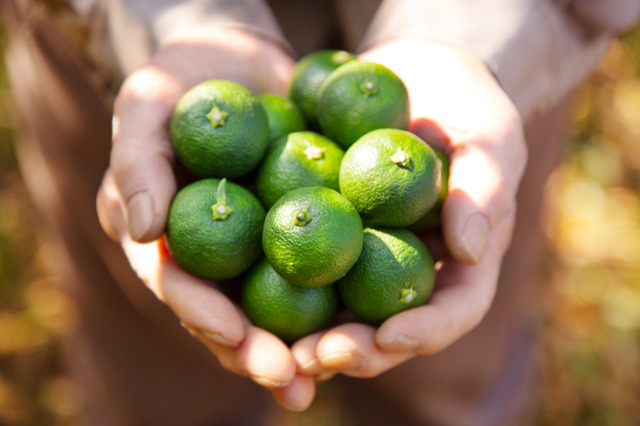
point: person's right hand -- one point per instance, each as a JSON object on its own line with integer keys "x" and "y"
{"x": 137, "y": 190}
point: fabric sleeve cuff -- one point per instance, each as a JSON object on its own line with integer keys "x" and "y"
{"x": 536, "y": 49}
{"x": 138, "y": 29}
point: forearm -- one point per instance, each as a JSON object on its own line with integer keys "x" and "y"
{"x": 128, "y": 32}
{"x": 538, "y": 49}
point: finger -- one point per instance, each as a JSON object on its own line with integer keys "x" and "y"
{"x": 462, "y": 298}
{"x": 226, "y": 355}
{"x": 483, "y": 181}
{"x": 266, "y": 358}
{"x": 110, "y": 213}
{"x": 141, "y": 156}
{"x": 298, "y": 395}
{"x": 197, "y": 303}
{"x": 304, "y": 352}
{"x": 351, "y": 349}
{"x": 261, "y": 356}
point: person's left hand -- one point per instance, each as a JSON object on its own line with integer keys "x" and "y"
{"x": 457, "y": 106}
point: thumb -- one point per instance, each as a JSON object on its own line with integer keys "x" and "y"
{"x": 483, "y": 181}
{"x": 141, "y": 155}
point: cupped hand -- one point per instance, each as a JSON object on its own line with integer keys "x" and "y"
{"x": 136, "y": 192}
{"x": 459, "y": 108}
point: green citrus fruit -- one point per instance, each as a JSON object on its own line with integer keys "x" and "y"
{"x": 283, "y": 115}
{"x": 286, "y": 310}
{"x": 433, "y": 217}
{"x": 309, "y": 74}
{"x": 395, "y": 272}
{"x": 391, "y": 176}
{"x": 214, "y": 229}
{"x": 219, "y": 129}
{"x": 296, "y": 160}
{"x": 312, "y": 236}
{"x": 359, "y": 97}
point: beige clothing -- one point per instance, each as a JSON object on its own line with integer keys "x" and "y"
{"x": 538, "y": 49}
{"x": 133, "y": 361}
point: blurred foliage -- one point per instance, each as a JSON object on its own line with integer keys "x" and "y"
{"x": 591, "y": 362}
{"x": 591, "y": 327}
{"x": 34, "y": 315}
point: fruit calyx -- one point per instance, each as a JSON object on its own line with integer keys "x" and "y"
{"x": 407, "y": 295}
{"x": 341, "y": 57}
{"x": 401, "y": 158}
{"x": 314, "y": 153}
{"x": 221, "y": 210}
{"x": 368, "y": 88}
{"x": 217, "y": 116}
{"x": 301, "y": 217}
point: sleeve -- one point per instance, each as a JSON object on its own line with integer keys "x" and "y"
{"x": 134, "y": 29}
{"x": 539, "y": 50}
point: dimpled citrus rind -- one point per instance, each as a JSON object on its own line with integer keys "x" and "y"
{"x": 286, "y": 310}
{"x": 395, "y": 272}
{"x": 308, "y": 75}
{"x": 433, "y": 217}
{"x": 209, "y": 248}
{"x": 385, "y": 190}
{"x": 359, "y": 97}
{"x": 324, "y": 244}
{"x": 219, "y": 129}
{"x": 283, "y": 115}
{"x": 296, "y": 160}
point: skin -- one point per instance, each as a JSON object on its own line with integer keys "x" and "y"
{"x": 456, "y": 104}
{"x": 138, "y": 187}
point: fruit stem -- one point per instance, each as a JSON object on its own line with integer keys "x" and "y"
{"x": 301, "y": 217}
{"x": 221, "y": 211}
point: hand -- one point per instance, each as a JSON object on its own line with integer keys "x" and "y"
{"x": 457, "y": 106}
{"x": 138, "y": 187}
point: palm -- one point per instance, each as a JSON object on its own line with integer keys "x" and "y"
{"x": 138, "y": 187}
{"x": 458, "y": 108}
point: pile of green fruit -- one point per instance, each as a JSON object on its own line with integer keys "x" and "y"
{"x": 309, "y": 200}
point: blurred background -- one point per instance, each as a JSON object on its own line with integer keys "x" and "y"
{"x": 591, "y": 302}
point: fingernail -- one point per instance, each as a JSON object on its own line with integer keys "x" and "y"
{"x": 401, "y": 343}
{"x": 218, "y": 338}
{"x": 140, "y": 215}
{"x": 343, "y": 361}
{"x": 309, "y": 367}
{"x": 214, "y": 337}
{"x": 323, "y": 377}
{"x": 474, "y": 236}
{"x": 268, "y": 383}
